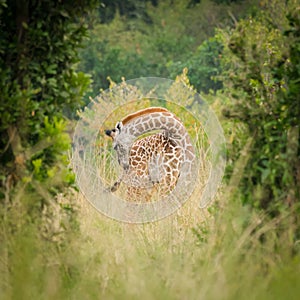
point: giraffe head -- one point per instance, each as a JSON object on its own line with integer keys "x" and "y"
{"x": 115, "y": 131}
{"x": 121, "y": 143}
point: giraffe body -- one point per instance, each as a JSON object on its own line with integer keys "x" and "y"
{"x": 155, "y": 161}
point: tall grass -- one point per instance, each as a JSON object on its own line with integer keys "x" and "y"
{"x": 234, "y": 253}
{"x": 228, "y": 251}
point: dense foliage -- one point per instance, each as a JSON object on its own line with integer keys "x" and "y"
{"x": 39, "y": 86}
{"x": 204, "y": 66}
{"x": 261, "y": 68}
{"x": 175, "y": 34}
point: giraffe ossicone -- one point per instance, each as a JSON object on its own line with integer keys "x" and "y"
{"x": 157, "y": 161}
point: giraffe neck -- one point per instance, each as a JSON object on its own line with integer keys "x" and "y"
{"x": 164, "y": 120}
{"x": 149, "y": 120}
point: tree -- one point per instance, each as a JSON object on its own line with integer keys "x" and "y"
{"x": 39, "y": 84}
{"x": 204, "y": 66}
{"x": 130, "y": 8}
{"x": 261, "y": 59}
{"x": 174, "y": 35}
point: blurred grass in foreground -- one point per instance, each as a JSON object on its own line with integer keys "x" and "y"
{"x": 237, "y": 254}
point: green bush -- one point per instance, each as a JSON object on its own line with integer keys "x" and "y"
{"x": 39, "y": 87}
{"x": 204, "y": 66}
{"x": 260, "y": 63}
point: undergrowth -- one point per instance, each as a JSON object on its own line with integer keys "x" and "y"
{"x": 229, "y": 252}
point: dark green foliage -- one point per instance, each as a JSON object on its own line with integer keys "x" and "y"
{"x": 293, "y": 71}
{"x": 263, "y": 80}
{"x": 99, "y": 60}
{"x": 174, "y": 35}
{"x": 39, "y": 85}
{"x": 204, "y": 66}
{"x": 130, "y": 8}
{"x": 226, "y": 1}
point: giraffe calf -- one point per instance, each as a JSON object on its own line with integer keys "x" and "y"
{"x": 151, "y": 165}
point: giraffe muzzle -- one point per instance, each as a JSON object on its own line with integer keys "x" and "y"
{"x": 108, "y": 132}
